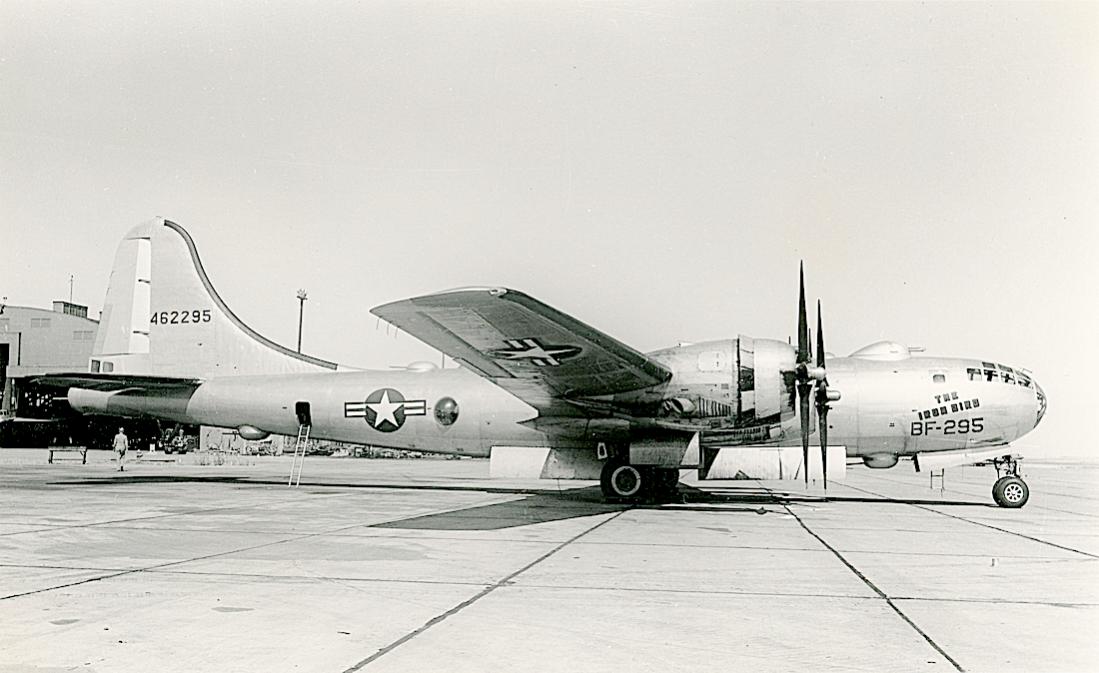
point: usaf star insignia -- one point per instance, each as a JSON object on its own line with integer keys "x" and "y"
{"x": 385, "y": 409}
{"x": 534, "y": 351}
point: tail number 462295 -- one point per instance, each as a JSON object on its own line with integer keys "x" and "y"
{"x": 180, "y": 317}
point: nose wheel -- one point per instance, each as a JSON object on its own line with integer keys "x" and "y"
{"x": 1009, "y": 490}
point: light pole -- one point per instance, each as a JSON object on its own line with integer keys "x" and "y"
{"x": 301, "y": 310}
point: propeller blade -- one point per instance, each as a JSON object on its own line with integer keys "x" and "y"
{"x": 820, "y": 338}
{"x": 822, "y": 415}
{"x": 803, "y": 395}
{"x": 803, "y": 322}
{"x": 822, "y": 399}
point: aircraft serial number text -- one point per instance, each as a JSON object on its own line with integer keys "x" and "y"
{"x": 181, "y": 317}
{"x": 959, "y": 426}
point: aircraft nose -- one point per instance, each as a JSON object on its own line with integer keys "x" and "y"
{"x": 1040, "y": 398}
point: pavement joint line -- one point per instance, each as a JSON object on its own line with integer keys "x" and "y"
{"x": 563, "y": 587}
{"x": 995, "y": 601}
{"x": 324, "y": 578}
{"x": 93, "y": 524}
{"x": 43, "y": 566}
{"x": 806, "y": 549}
{"x": 212, "y": 573}
{"x": 493, "y": 540}
{"x": 478, "y": 596}
{"x": 275, "y": 503}
{"x": 986, "y": 525}
{"x": 727, "y": 592}
{"x": 203, "y": 558}
{"x": 780, "y": 594}
{"x": 34, "y": 530}
{"x": 361, "y": 536}
{"x": 888, "y": 601}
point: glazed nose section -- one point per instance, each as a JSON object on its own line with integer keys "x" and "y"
{"x": 1040, "y": 400}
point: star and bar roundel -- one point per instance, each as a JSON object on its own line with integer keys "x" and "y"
{"x": 385, "y": 409}
{"x": 534, "y": 351}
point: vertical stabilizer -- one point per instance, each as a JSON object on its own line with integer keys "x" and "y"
{"x": 162, "y": 316}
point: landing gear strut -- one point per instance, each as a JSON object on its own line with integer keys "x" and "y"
{"x": 1009, "y": 490}
{"x": 621, "y": 481}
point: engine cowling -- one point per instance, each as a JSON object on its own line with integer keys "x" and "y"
{"x": 765, "y": 380}
{"x": 730, "y": 384}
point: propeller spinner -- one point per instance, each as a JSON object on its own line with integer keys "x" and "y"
{"x": 809, "y": 377}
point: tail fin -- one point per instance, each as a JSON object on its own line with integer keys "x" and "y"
{"x": 162, "y": 316}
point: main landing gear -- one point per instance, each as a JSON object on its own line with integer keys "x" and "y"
{"x": 621, "y": 481}
{"x": 1009, "y": 490}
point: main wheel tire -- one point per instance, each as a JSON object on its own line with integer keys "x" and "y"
{"x": 621, "y": 480}
{"x": 1010, "y": 492}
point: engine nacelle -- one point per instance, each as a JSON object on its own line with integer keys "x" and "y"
{"x": 731, "y": 384}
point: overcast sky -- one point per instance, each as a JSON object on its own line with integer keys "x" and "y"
{"x": 654, "y": 169}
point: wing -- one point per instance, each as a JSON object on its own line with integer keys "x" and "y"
{"x": 114, "y": 382}
{"x": 544, "y": 357}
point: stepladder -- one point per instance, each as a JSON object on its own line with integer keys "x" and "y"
{"x": 939, "y": 474}
{"x": 298, "y": 461}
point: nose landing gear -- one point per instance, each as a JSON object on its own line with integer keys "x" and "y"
{"x": 1009, "y": 490}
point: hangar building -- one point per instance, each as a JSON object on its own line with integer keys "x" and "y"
{"x": 36, "y": 341}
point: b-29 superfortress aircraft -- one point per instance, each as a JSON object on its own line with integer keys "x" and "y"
{"x": 535, "y": 379}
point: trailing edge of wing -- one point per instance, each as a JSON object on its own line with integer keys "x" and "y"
{"x": 538, "y": 353}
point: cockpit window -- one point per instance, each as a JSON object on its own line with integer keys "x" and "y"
{"x": 989, "y": 372}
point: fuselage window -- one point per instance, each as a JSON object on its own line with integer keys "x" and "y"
{"x": 938, "y": 378}
{"x": 446, "y": 411}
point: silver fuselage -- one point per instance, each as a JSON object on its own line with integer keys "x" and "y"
{"x": 888, "y": 407}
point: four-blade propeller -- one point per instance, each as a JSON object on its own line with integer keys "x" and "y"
{"x": 810, "y": 376}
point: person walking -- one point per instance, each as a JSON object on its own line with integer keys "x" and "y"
{"x": 121, "y": 444}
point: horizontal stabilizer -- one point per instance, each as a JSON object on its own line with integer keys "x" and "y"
{"x": 113, "y": 382}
